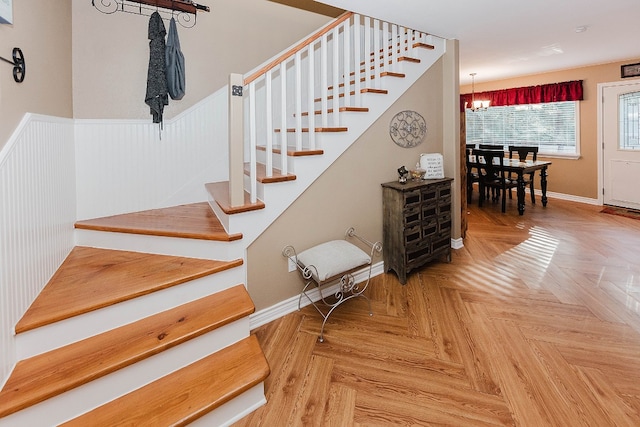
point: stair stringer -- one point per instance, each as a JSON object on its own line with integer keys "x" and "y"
{"x": 279, "y": 196}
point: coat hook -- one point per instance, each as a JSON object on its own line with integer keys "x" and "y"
{"x": 19, "y": 66}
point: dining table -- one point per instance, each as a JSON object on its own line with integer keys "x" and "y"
{"x": 527, "y": 167}
{"x": 520, "y": 169}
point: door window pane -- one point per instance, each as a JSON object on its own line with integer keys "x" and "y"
{"x": 629, "y": 121}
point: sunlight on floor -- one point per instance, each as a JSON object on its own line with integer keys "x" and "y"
{"x": 524, "y": 264}
{"x": 629, "y": 285}
{"x": 534, "y": 256}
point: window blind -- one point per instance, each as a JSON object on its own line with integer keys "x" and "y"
{"x": 550, "y": 126}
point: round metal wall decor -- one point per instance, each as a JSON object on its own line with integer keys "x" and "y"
{"x": 407, "y": 129}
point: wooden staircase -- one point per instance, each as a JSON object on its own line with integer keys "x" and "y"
{"x": 296, "y": 141}
{"x": 99, "y": 348}
{"x": 147, "y": 320}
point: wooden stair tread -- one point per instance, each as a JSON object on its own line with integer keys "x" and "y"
{"x": 192, "y": 221}
{"x": 409, "y": 59}
{"x": 261, "y": 172}
{"x": 49, "y": 374}
{"x": 341, "y": 109}
{"x": 371, "y": 90}
{"x": 363, "y": 79}
{"x": 382, "y": 74}
{"x": 220, "y": 193}
{"x": 318, "y": 129}
{"x": 399, "y": 49}
{"x": 292, "y": 151}
{"x": 424, "y": 45}
{"x": 91, "y": 278}
{"x": 352, "y": 93}
{"x": 187, "y": 394}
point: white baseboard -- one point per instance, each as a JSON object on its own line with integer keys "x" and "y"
{"x": 457, "y": 243}
{"x": 290, "y": 305}
{"x": 571, "y": 198}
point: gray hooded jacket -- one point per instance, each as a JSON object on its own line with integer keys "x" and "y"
{"x": 157, "y": 95}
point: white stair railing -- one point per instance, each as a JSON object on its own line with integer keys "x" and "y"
{"x": 323, "y": 75}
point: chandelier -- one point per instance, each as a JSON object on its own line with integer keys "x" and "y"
{"x": 475, "y": 105}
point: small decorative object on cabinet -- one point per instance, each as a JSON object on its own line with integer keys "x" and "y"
{"x": 416, "y": 224}
{"x": 402, "y": 174}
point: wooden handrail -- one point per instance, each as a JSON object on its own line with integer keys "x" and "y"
{"x": 298, "y": 47}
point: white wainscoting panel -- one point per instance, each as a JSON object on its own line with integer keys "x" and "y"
{"x": 37, "y": 212}
{"x": 131, "y": 165}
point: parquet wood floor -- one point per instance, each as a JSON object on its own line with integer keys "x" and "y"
{"x": 535, "y": 322}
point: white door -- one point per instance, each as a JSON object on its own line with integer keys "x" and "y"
{"x": 621, "y": 145}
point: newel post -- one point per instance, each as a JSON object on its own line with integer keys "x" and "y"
{"x": 236, "y": 141}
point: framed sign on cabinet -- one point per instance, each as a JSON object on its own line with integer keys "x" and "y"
{"x": 6, "y": 11}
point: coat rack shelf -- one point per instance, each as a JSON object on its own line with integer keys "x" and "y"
{"x": 184, "y": 11}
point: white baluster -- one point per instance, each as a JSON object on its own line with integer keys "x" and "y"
{"x": 346, "y": 69}
{"x": 283, "y": 118}
{"x": 356, "y": 60}
{"x": 336, "y": 77}
{"x": 377, "y": 36}
{"x": 324, "y": 84}
{"x": 310, "y": 94}
{"x": 394, "y": 45}
{"x": 298, "y": 100}
{"x": 269, "y": 124}
{"x": 409, "y": 34}
{"x": 252, "y": 142}
{"x": 367, "y": 52}
{"x": 385, "y": 46}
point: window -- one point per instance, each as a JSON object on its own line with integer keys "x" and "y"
{"x": 552, "y": 126}
{"x": 630, "y": 121}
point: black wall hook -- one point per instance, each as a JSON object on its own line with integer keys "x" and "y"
{"x": 19, "y": 67}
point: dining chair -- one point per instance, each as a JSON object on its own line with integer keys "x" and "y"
{"x": 523, "y": 153}
{"x": 490, "y": 147}
{"x": 493, "y": 175}
{"x": 472, "y": 172}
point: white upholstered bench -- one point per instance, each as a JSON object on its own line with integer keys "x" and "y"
{"x": 333, "y": 262}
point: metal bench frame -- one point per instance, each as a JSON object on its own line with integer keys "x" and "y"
{"x": 347, "y": 289}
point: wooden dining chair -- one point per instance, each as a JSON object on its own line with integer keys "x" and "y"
{"x": 493, "y": 175}
{"x": 490, "y": 147}
{"x": 472, "y": 172}
{"x": 523, "y": 153}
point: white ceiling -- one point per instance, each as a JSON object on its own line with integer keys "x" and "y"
{"x": 508, "y": 38}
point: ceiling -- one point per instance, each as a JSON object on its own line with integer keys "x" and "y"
{"x": 507, "y": 38}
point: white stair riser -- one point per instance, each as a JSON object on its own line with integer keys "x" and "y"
{"x": 67, "y": 331}
{"x": 261, "y": 157}
{"x": 193, "y": 248}
{"x": 234, "y": 410}
{"x": 102, "y": 390}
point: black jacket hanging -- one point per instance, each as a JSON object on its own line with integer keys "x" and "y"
{"x": 175, "y": 63}
{"x": 157, "y": 95}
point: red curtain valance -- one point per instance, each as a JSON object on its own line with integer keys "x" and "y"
{"x": 553, "y": 92}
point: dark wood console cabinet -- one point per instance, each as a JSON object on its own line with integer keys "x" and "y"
{"x": 416, "y": 224}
